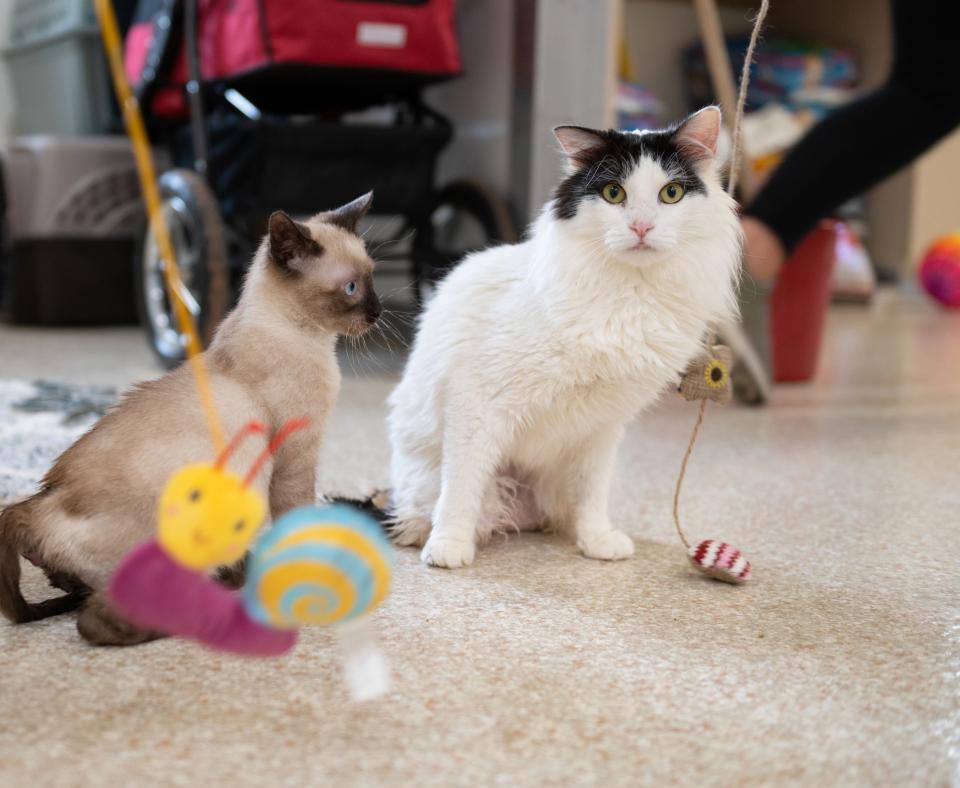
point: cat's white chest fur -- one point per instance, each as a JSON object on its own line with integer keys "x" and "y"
{"x": 597, "y": 369}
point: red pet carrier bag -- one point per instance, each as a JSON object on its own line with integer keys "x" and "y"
{"x": 260, "y": 42}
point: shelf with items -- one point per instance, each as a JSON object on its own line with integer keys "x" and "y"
{"x": 905, "y": 212}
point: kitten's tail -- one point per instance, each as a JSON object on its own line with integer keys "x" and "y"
{"x": 14, "y": 521}
{"x": 375, "y": 505}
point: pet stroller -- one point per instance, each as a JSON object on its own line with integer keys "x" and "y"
{"x": 299, "y": 105}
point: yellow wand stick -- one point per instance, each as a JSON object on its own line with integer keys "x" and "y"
{"x": 133, "y": 119}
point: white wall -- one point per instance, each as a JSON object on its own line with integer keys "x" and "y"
{"x": 574, "y": 79}
{"x": 574, "y": 49}
{"x": 480, "y": 101}
{"x": 6, "y": 89}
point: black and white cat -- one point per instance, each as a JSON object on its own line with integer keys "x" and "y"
{"x": 532, "y": 357}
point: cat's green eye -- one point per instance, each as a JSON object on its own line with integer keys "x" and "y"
{"x": 671, "y": 193}
{"x": 613, "y": 193}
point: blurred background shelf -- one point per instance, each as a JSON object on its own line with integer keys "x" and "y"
{"x": 563, "y": 67}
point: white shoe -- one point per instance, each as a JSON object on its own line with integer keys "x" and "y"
{"x": 853, "y": 276}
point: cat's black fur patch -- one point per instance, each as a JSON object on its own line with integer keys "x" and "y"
{"x": 614, "y": 159}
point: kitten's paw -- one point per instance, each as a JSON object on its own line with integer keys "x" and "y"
{"x": 447, "y": 553}
{"x": 606, "y": 546}
{"x": 410, "y": 533}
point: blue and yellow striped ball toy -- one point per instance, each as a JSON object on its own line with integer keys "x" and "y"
{"x": 318, "y": 565}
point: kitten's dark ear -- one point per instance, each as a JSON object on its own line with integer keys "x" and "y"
{"x": 697, "y": 136}
{"x": 349, "y": 215}
{"x": 578, "y": 142}
{"x": 290, "y": 240}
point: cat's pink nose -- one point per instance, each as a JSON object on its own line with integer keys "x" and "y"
{"x": 640, "y": 229}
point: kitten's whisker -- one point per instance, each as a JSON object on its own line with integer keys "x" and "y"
{"x": 388, "y": 241}
{"x": 381, "y": 328}
{"x": 397, "y": 290}
{"x": 349, "y": 347}
{"x": 402, "y": 337}
{"x": 406, "y": 317}
{"x": 371, "y": 354}
{"x": 383, "y": 336}
{"x": 388, "y": 326}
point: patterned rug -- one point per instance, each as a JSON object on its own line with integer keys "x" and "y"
{"x": 37, "y": 422}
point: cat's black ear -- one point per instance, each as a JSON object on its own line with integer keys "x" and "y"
{"x": 697, "y": 137}
{"x": 349, "y": 215}
{"x": 578, "y": 142}
{"x": 290, "y": 240}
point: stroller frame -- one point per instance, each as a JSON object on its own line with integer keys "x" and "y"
{"x": 217, "y": 197}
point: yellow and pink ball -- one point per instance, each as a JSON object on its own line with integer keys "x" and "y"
{"x": 940, "y": 270}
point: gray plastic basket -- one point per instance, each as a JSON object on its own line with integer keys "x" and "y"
{"x": 35, "y": 21}
{"x": 75, "y": 220}
{"x": 72, "y": 187}
{"x": 58, "y": 69}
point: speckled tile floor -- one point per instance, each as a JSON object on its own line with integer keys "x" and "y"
{"x": 839, "y": 665}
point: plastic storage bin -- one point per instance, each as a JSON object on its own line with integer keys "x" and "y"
{"x": 57, "y": 68}
{"x": 74, "y": 219}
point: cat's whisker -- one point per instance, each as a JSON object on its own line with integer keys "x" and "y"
{"x": 388, "y": 326}
{"x": 406, "y": 316}
{"x": 361, "y": 353}
{"x": 351, "y": 353}
{"x": 371, "y": 353}
{"x": 378, "y": 328}
{"x": 402, "y": 239}
{"x": 381, "y": 329}
{"x": 405, "y": 319}
{"x": 397, "y": 290}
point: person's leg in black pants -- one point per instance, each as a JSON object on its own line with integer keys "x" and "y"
{"x": 860, "y": 144}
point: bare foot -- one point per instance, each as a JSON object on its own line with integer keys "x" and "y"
{"x": 763, "y": 254}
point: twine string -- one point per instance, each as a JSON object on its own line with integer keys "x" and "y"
{"x": 683, "y": 472}
{"x": 742, "y": 95}
{"x": 731, "y": 185}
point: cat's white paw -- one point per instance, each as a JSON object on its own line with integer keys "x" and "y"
{"x": 448, "y": 553}
{"x": 610, "y": 545}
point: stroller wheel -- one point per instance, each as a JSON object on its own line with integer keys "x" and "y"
{"x": 192, "y": 216}
{"x": 464, "y": 217}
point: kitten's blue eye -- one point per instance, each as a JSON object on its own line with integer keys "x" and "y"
{"x": 350, "y": 288}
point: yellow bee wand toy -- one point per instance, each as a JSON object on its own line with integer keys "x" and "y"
{"x": 207, "y": 518}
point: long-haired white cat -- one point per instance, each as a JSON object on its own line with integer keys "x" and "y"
{"x": 531, "y": 358}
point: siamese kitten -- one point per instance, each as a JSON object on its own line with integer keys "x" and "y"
{"x": 532, "y": 358}
{"x": 272, "y": 359}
